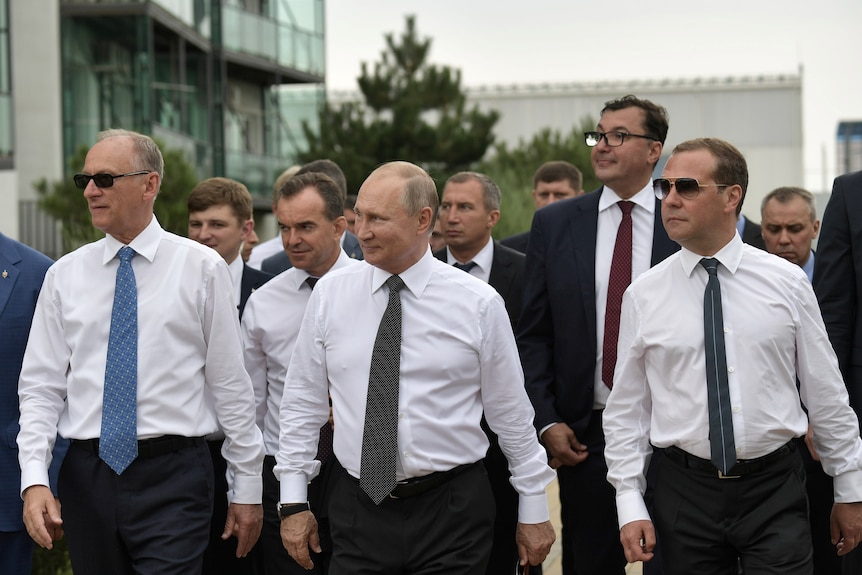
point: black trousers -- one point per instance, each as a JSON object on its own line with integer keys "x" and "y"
{"x": 445, "y": 531}
{"x": 709, "y": 525}
{"x": 818, "y": 485}
{"x": 588, "y": 509}
{"x": 153, "y": 519}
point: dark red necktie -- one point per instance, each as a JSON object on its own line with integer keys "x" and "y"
{"x": 619, "y": 279}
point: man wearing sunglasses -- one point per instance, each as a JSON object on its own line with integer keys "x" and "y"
{"x": 712, "y": 342}
{"x": 134, "y": 354}
{"x": 567, "y": 330}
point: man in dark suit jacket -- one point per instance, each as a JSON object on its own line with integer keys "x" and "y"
{"x": 22, "y": 270}
{"x": 220, "y": 216}
{"x": 552, "y": 182}
{"x": 751, "y": 233}
{"x": 469, "y": 210}
{"x": 564, "y": 319}
{"x": 277, "y": 263}
{"x": 838, "y": 285}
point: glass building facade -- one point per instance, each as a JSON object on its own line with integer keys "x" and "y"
{"x": 7, "y": 139}
{"x": 227, "y": 81}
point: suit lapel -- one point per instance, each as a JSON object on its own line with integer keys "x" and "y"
{"x": 9, "y": 272}
{"x": 500, "y": 277}
{"x": 583, "y": 229}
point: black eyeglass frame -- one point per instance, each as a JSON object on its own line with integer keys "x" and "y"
{"x": 599, "y": 136}
{"x": 102, "y": 180}
{"x": 687, "y": 188}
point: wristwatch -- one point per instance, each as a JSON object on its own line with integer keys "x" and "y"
{"x": 288, "y": 509}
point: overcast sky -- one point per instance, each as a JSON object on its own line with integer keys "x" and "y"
{"x": 506, "y": 42}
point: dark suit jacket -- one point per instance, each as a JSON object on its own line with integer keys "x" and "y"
{"x": 518, "y": 242}
{"x": 22, "y": 270}
{"x": 838, "y": 279}
{"x": 251, "y": 280}
{"x": 752, "y": 234}
{"x": 557, "y": 330}
{"x": 279, "y": 262}
{"x": 507, "y": 277}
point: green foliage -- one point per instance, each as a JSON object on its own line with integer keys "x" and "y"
{"x": 412, "y": 111}
{"x": 53, "y": 562}
{"x": 66, "y": 203}
{"x": 513, "y": 169}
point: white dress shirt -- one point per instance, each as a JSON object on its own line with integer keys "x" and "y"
{"x": 235, "y": 268}
{"x": 190, "y": 371}
{"x": 458, "y": 356}
{"x": 773, "y": 331}
{"x": 643, "y": 226}
{"x": 270, "y": 326}
{"x": 483, "y": 261}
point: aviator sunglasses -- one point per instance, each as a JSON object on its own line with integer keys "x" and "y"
{"x": 102, "y": 180}
{"x": 687, "y": 188}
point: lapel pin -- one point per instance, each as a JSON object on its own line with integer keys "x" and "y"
{"x": 5, "y": 274}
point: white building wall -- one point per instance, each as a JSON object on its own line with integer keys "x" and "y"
{"x": 9, "y": 204}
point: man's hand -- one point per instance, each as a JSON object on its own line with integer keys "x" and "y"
{"x": 638, "y": 539}
{"x": 534, "y": 541}
{"x": 809, "y": 443}
{"x": 298, "y": 533}
{"x": 42, "y": 516}
{"x": 564, "y": 447}
{"x": 845, "y": 526}
{"x": 245, "y": 522}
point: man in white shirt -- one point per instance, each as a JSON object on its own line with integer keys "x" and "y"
{"x": 457, "y": 357}
{"x": 730, "y": 487}
{"x": 310, "y": 217}
{"x": 136, "y": 484}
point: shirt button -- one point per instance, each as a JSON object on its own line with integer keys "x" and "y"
{"x": 736, "y": 409}
{"x": 730, "y": 369}
{"x": 726, "y": 330}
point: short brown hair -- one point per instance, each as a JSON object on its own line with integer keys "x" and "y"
{"x": 730, "y": 165}
{"x": 557, "y": 171}
{"x": 655, "y": 116}
{"x": 221, "y": 192}
{"x": 333, "y": 199}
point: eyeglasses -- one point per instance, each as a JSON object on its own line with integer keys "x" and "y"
{"x": 687, "y": 188}
{"x": 102, "y": 180}
{"x": 612, "y": 139}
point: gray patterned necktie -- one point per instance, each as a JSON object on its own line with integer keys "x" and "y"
{"x": 721, "y": 442}
{"x": 118, "y": 439}
{"x": 380, "y": 436}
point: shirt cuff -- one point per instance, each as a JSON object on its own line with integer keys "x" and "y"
{"x": 293, "y": 488}
{"x": 631, "y": 507}
{"x": 34, "y": 473}
{"x": 246, "y": 489}
{"x": 848, "y": 487}
{"x": 533, "y": 509}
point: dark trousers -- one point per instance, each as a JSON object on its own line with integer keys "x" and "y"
{"x": 16, "y": 552}
{"x": 276, "y": 559}
{"x": 818, "y": 486}
{"x": 445, "y": 531}
{"x": 220, "y": 555}
{"x": 504, "y": 548}
{"x": 152, "y": 520}
{"x": 588, "y": 509}
{"x": 709, "y": 525}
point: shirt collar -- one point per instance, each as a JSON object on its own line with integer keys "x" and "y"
{"x": 236, "y": 269}
{"x": 145, "y": 243}
{"x": 299, "y": 276}
{"x": 729, "y": 256}
{"x": 483, "y": 259}
{"x": 644, "y": 198}
{"x": 808, "y": 268}
{"x": 415, "y": 277}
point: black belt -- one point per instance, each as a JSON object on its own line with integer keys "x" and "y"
{"x": 741, "y": 469}
{"x": 148, "y": 448}
{"x": 419, "y": 485}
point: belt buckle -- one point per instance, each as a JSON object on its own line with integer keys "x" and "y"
{"x": 723, "y": 476}
{"x": 397, "y": 485}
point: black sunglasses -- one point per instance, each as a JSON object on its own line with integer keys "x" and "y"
{"x": 687, "y": 188}
{"x": 612, "y": 139}
{"x": 102, "y": 180}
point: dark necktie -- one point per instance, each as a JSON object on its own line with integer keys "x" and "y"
{"x": 721, "y": 443}
{"x": 465, "y": 267}
{"x": 380, "y": 436}
{"x": 324, "y": 444}
{"x": 618, "y": 280}
{"x": 118, "y": 439}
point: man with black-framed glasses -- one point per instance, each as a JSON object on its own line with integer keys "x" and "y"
{"x": 134, "y": 355}
{"x": 711, "y": 344}
{"x": 582, "y": 254}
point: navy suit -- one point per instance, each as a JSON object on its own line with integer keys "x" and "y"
{"x": 557, "y": 342}
{"x": 279, "y": 262}
{"x": 251, "y": 280}
{"x": 752, "y": 234}
{"x": 507, "y": 277}
{"x": 838, "y": 285}
{"x": 518, "y": 242}
{"x": 22, "y": 270}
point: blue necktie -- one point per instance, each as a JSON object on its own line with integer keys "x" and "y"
{"x": 721, "y": 442}
{"x": 118, "y": 441}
